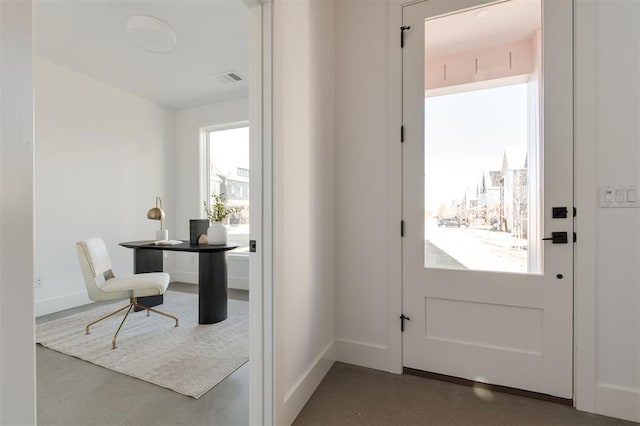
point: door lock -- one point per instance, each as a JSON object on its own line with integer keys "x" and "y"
{"x": 559, "y": 212}
{"x": 558, "y": 238}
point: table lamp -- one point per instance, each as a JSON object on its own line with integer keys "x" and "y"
{"x": 156, "y": 213}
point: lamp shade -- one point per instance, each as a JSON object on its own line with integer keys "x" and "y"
{"x": 156, "y": 213}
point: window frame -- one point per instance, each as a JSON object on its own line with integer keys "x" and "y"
{"x": 205, "y": 164}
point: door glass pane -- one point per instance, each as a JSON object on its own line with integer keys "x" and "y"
{"x": 229, "y": 176}
{"x": 481, "y": 148}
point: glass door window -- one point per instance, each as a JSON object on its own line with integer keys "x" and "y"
{"x": 481, "y": 145}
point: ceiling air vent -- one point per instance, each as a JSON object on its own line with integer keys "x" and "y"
{"x": 226, "y": 78}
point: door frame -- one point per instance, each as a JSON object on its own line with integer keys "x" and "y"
{"x": 261, "y": 344}
{"x": 20, "y": 404}
{"x": 584, "y": 181}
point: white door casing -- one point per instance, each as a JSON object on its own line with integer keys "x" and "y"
{"x": 508, "y": 329}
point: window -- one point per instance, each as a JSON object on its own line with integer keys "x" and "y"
{"x": 228, "y": 174}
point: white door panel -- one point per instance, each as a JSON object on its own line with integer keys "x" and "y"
{"x": 471, "y": 315}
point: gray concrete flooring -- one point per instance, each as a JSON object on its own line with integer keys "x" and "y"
{"x": 75, "y": 392}
{"x": 351, "y": 395}
{"x": 71, "y": 391}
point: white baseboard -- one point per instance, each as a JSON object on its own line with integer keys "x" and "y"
{"x": 238, "y": 283}
{"x": 184, "y": 277}
{"x": 363, "y": 354}
{"x": 614, "y": 401}
{"x": 301, "y": 391}
{"x": 60, "y": 303}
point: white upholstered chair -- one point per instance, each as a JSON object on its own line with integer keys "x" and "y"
{"x": 103, "y": 285}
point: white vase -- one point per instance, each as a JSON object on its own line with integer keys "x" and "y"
{"x": 217, "y": 233}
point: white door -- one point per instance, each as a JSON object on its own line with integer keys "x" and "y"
{"x": 487, "y": 156}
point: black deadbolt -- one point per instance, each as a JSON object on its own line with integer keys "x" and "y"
{"x": 559, "y": 212}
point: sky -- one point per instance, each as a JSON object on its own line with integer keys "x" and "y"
{"x": 466, "y": 134}
{"x": 229, "y": 149}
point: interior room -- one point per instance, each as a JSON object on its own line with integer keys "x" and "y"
{"x": 140, "y": 106}
{"x": 343, "y": 106}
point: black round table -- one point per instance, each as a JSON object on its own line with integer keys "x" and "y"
{"x": 212, "y": 274}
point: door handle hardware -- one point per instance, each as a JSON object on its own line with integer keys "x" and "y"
{"x": 557, "y": 238}
{"x": 559, "y": 212}
{"x": 253, "y": 246}
{"x": 402, "y": 318}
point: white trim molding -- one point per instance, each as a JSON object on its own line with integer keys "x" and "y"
{"x": 364, "y": 354}
{"x": 261, "y": 348}
{"x": 585, "y": 169}
{"x": 394, "y": 186}
{"x": 17, "y": 339}
{"x": 60, "y": 303}
{"x": 618, "y": 402}
{"x": 297, "y": 396}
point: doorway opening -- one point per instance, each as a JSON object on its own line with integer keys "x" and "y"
{"x": 117, "y": 125}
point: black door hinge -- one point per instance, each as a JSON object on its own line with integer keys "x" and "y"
{"x": 402, "y": 318}
{"x": 402, "y": 228}
{"x": 575, "y": 237}
{"x": 402, "y": 30}
{"x": 401, "y": 133}
{"x": 575, "y": 212}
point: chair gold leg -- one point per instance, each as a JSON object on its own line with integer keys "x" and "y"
{"x": 132, "y": 303}
{"x": 115, "y": 336}
{"x": 105, "y": 317}
{"x": 158, "y": 312}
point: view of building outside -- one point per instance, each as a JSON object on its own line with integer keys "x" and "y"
{"x": 229, "y": 175}
{"x": 476, "y": 180}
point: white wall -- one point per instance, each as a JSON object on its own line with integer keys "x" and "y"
{"x": 617, "y": 118}
{"x": 608, "y": 88}
{"x": 188, "y": 200}
{"x": 102, "y": 156}
{"x": 304, "y": 200}
{"x": 362, "y": 247}
{"x": 17, "y": 349}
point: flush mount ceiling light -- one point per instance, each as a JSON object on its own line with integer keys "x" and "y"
{"x": 151, "y": 34}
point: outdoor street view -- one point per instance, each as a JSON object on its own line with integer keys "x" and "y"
{"x": 229, "y": 175}
{"x": 477, "y": 180}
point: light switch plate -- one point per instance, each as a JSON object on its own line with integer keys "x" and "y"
{"x": 617, "y": 196}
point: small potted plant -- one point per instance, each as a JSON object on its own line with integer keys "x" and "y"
{"x": 217, "y": 212}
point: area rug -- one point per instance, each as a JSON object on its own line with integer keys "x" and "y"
{"x": 189, "y": 359}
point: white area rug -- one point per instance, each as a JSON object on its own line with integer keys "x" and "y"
{"x": 189, "y": 359}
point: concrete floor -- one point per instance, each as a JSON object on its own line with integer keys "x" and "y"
{"x": 75, "y": 392}
{"x": 351, "y": 395}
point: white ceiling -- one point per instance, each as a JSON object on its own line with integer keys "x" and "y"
{"x": 89, "y": 36}
{"x": 505, "y": 22}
